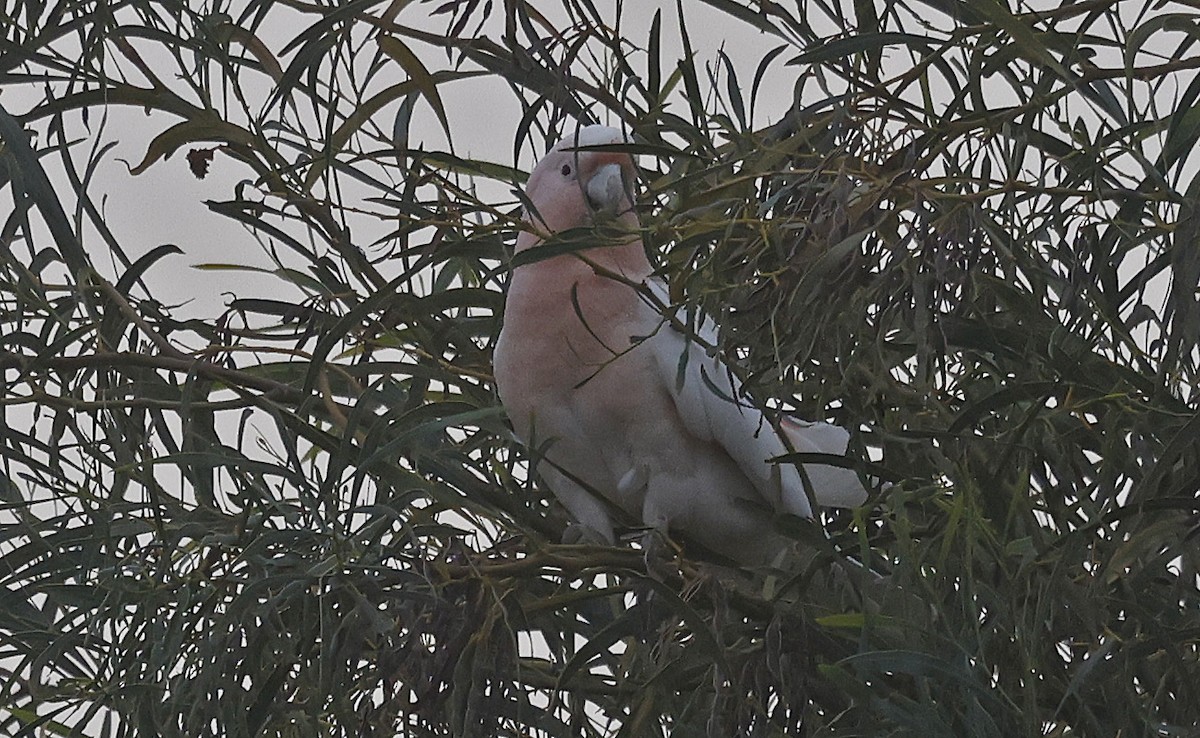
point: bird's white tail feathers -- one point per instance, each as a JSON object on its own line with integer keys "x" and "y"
{"x": 833, "y": 486}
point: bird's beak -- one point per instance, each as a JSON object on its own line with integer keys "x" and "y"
{"x": 606, "y": 190}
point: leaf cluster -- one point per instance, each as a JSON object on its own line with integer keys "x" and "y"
{"x": 969, "y": 235}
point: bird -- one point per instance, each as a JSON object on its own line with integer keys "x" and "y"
{"x": 628, "y": 412}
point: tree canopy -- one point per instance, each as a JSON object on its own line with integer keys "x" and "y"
{"x": 969, "y": 236}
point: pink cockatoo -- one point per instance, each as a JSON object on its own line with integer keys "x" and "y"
{"x": 627, "y": 416}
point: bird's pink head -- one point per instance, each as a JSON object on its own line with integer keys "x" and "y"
{"x": 573, "y": 187}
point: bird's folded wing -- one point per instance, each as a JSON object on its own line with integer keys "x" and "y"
{"x": 709, "y": 403}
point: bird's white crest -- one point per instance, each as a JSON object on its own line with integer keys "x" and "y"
{"x": 593, "y": 135}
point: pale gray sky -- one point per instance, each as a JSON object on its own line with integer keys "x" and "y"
{"x": 165, "y": 203}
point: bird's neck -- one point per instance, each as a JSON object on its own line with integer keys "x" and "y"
{"x": 626, "y": 261}
{"x": 622, "y": 262}
{"x": 599, "y": 283}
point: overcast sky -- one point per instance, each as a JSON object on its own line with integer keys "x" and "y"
{"x": 165, "y": 203}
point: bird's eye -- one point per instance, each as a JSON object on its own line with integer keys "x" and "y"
{"x": 566, "y": 170}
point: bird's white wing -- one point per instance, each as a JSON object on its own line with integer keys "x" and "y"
{"x": 709, "y": 402}
{"x": 707, "y": 398}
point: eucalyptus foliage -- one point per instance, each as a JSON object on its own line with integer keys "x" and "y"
{"x": 971, "y": 236}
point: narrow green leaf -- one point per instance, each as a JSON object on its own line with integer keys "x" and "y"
{"x": 418, "y": 74}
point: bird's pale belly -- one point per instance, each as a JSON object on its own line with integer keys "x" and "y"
{"x": 646, "y": 458}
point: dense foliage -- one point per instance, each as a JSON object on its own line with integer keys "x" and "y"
{"x": 971, "y": 237}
